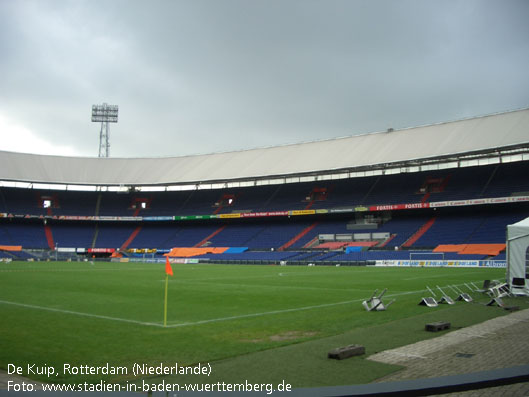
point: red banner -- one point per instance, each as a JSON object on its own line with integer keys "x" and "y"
{"x": 391, "y": 207}
{"x": 101, "y": 250}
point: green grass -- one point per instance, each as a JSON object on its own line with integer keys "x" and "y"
{"x": 261, "y": 323}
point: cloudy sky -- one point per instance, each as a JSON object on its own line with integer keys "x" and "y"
{"x": 203, "y": 76}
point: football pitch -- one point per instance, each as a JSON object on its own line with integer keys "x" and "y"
{"x": 245, "y": 322}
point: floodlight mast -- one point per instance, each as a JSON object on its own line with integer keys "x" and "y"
{"x": 104, "y": 114}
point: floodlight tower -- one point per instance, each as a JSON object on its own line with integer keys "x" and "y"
{"x": 104, "y": 114}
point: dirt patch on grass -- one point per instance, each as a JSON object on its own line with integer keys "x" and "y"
{"x": 285, "y": 336}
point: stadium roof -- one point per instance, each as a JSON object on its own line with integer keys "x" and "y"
{"x": 491, "y": 135}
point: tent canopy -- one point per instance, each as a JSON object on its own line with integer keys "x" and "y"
{"x": 518, "y": 257}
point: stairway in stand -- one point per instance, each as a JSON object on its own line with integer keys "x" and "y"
{"x": 297, "y": 237}
{"x": 419, "y": 233}
{"x": 131, "y": 238}
{"x": 204, "y": 241}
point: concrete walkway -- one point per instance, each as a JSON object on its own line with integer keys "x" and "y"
{"x": 501, "y": 342}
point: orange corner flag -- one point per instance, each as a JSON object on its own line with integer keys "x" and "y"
{"x": 168, "y": 268}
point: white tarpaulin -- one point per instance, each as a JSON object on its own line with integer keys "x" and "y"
{"x": 518, "y": 257}
{"x": 478, "y": 135}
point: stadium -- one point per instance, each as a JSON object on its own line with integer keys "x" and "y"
{"x": 275, "y": 254}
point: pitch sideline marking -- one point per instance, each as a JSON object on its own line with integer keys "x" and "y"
{"x": 52, "y": 309}
{"x": 213, "y": 320}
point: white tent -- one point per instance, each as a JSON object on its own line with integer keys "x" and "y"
{"x": 518, "y": 257}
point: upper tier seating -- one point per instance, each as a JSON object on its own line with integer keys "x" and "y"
{"x": 463, "y": 183}
{"x": 473, "y": 225}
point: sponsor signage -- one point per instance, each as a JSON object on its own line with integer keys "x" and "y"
{"x": 391, "y": 207}
{"x": 302, "y": 212}
{"x": 159, "y": 260}
{"x": 158, "y": 218}
{"x": 119, "y": 218}
{"x": 142, "y": 250}
{"x": 65, "y": 249}
{"x": 501, "y": 264}
{"x": 90, "y": 218}
{"x": 193, "y": 217}
{"x": 440, "y": 263}
{"x": 263, "y": 214}
{"x": 101, "y": 250}
{"x": 374, "y": 208}
{"x": 75, "y": 218}
{"x": 342, "y": 210}
{"x": 184, "y": 260}
{"x": 483, "y": 201}
{"x": 229, "y": 216}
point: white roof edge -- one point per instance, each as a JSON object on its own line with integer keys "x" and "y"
{"x": 292, "y": 143}
{"x": 453, "y": 138}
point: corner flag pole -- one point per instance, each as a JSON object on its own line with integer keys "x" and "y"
{"x": 165, "y": 301}
{"x": 168, "y": 271}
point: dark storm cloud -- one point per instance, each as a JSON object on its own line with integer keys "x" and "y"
{"x": 205, "y": 76}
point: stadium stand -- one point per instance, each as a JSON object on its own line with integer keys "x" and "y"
{"x": 166, "y": 236}
{"x": 464, "y": 184}
{"x": 450, "y": 227}
{"x": 284, "y": 207}
{"x": 28, "y": 235}
{"x": 74, "y": 235}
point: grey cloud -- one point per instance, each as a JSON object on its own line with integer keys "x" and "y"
{"x": 202, "y": 76}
